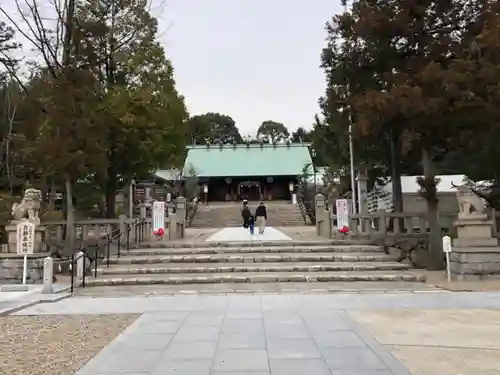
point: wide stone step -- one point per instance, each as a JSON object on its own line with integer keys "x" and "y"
{"x": 254, "y": 258}
{"x": 247, "y": 277}
{"x": 263, "y": 249}
{"x": 257, "y": 243}
{"x": 250, "y": 267}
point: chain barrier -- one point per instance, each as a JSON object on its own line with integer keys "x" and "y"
{"x": 92, "y": 256}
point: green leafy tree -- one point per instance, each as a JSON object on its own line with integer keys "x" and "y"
{"x": 141, "y": 111}
{"x": 272, "y": 130}
{"x": 301, "y": 135}
{"x": 212, "y": 128}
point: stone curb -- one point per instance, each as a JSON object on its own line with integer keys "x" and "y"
{"x": 254, "y": 258}
{"x": 255, "y": 250}
{"x": 387, "y": 266}
{"x": 385, "y": 356}
{"x": 172, "y": 245}
{"x": 25, "y": 304}
{"x": 217, "y": 279}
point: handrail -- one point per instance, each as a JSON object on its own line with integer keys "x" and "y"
{"x": 139, "y": 227}
{"x": 302, "y": 208}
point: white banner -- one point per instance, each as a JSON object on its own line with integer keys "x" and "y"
{"x": 342, "y": 206}
{"x": 158, "y": 215}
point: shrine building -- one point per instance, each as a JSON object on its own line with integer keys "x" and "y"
{"x": 255, "y": 171}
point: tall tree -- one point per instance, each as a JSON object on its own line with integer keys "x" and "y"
{"x": 407, "y": 51}
{"x": 7, "y": 46}
{"x": 301, "y": 135}
{"x": 212, "y": 128}
{"x": 140, "y": 108}
{"x": 272, "y": 130}
{"x": 61, "y": 114}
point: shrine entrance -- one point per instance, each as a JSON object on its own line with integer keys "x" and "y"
{"x": 250, "y": 190}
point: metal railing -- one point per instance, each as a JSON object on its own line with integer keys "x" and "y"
{"x": 104, "y": 251}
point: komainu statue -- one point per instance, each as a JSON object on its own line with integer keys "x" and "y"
{"x": 29, "y": 207}
{"x": 469, "y": 203}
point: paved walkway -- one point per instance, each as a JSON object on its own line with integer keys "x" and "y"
{"x": 241, "y": 234}
{"x": 13, "y": 301}
{"x": 283, "y": 334}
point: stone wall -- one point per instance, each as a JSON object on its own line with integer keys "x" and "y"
{"x": 11, "y": 269}
{"x": 475, "y": 264}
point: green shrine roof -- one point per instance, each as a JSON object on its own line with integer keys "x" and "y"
{"x": 248, "y": 160}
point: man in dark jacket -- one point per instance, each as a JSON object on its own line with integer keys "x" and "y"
{"x": 246, "y": 214}
{"x": 261, "y": 217}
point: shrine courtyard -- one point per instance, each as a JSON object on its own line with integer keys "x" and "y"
{"x": 292, "y": 329}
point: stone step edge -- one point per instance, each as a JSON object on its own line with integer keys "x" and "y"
{"x": 253, "y": 258}
{"x": 292, "y": 243}
{"x": 217, "y": 279}
{"x": 261, "y": 268}
{"x": 255, "y": 250}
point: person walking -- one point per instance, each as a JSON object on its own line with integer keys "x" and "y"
{"x": 246, "y": 214}
{"x": 261, "y": 217}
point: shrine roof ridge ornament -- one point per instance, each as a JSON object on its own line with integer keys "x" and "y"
{"x": 251, "y": 145}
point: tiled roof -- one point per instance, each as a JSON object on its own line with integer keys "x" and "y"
{"x": 248, "y": 160}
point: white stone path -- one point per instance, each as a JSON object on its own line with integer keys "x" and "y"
{"x": 239, "y": 234}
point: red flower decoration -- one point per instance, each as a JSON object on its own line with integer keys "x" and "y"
{"x": 344, "y": 229}
{"x": 159, "y": 232}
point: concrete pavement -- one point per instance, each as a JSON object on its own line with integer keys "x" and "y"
{"x": 294, "y": 334}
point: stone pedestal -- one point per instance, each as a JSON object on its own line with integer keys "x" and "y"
{"x": 476, "y": 254}
{"x": 323, "y": 220}
{"x": 11, "y": 268}
{"x": 12, "y": 238}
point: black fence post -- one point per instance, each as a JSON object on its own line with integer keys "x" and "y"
{"x": 119, "y": 243}
{"x": 108, "y": 244}
{"x": 72, "y": 272}
{"x": 127, "y": 243}
{"x": 84, "y": 269}
{"x": 96, "y": 258}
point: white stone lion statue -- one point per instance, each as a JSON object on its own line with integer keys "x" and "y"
{"x": 469, "y": 203}
{"x": 29, "y": 207}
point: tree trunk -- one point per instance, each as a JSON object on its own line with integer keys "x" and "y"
{"x": 51, "y": 206}
{"x": 110, "y": 194}
{"x": 70, "y": 217}
{"x": 397, "y": 191}
{"x": 436, "y": 260}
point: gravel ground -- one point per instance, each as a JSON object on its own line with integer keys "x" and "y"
{"x": 55, "y": 344}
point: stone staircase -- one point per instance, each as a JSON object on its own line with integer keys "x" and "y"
{"x": 221, "y": 215}
{"x": 252, "y": 262}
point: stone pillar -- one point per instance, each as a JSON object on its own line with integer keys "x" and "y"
{"x": 144, "y": 212}
{"x": 362, "y": 189}
{"x": 48, "y": 275}
{"x": 122, "y": 226}
{"x": 476, "y": 254}
{"x": 172, "y": 227}
{"x": 80, "y": 265}
{"x": 180, "y": 213}
{"x": 323, "y": 221}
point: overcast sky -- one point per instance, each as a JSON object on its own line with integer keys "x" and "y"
{"x": 253, "y": 60}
